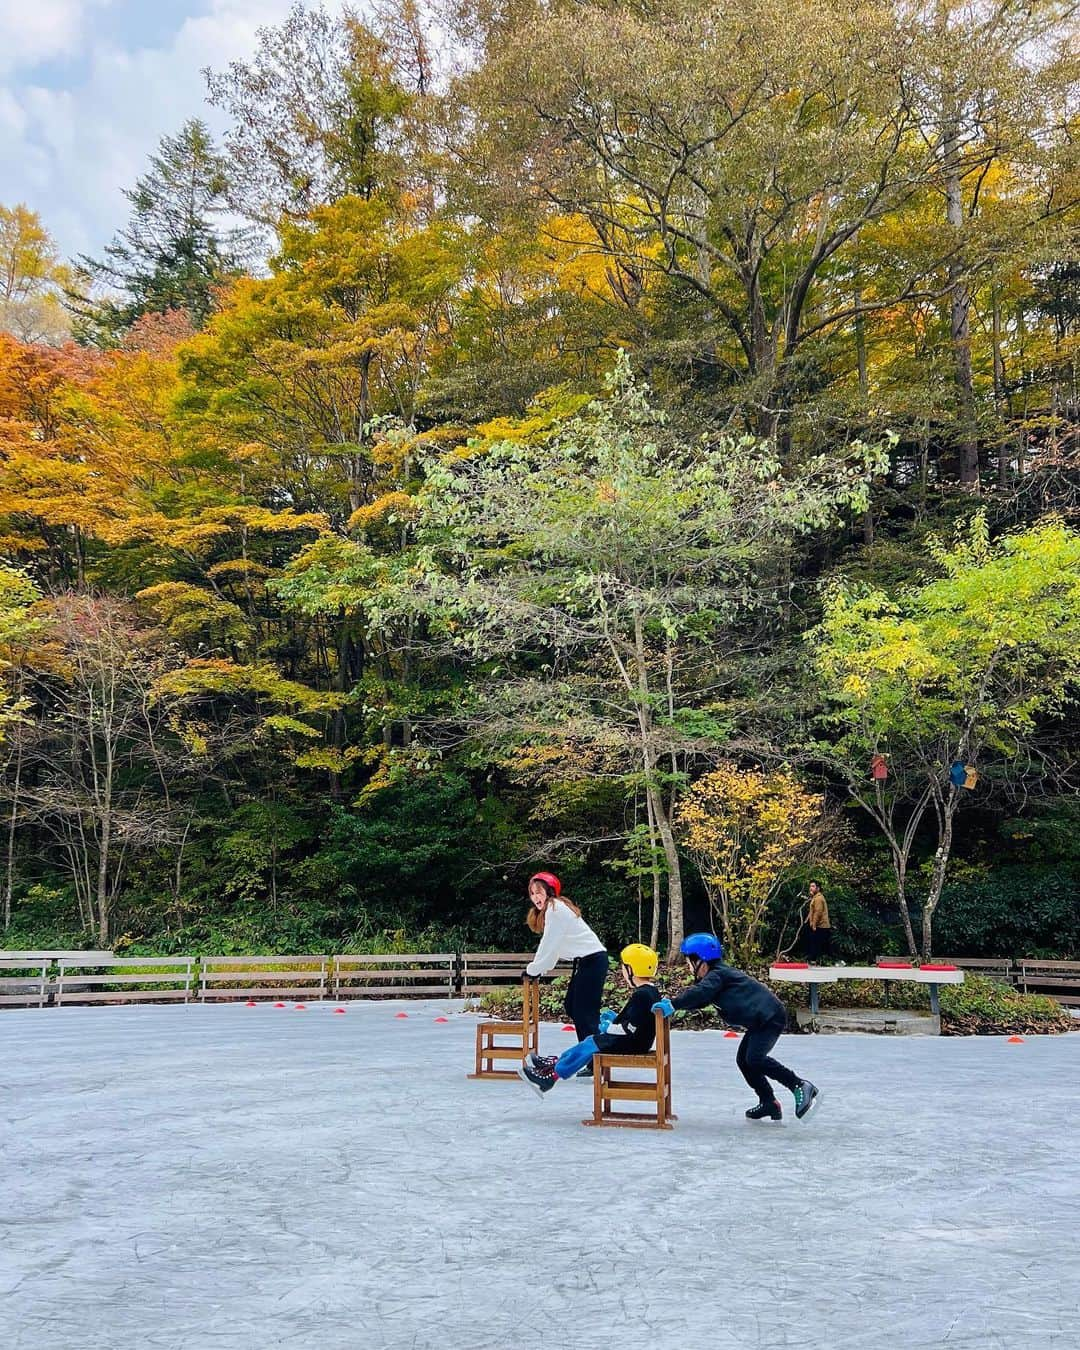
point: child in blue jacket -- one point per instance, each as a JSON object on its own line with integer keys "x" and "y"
{"x": 746, "y": 1003}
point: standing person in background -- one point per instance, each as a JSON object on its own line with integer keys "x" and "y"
{"x": 819, "y": 939}
{"x": 565, "y": 936}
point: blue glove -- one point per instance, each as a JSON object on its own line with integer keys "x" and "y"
{"x": 665, "y": 1006}
{"x": 606, "y": 1019}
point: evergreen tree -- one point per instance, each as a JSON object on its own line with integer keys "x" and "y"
{"x": 174, "y": 249}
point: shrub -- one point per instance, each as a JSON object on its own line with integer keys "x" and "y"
{"x": 983, "y": 1007}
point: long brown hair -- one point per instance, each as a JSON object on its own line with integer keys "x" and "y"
{"x": 534, "y": 918}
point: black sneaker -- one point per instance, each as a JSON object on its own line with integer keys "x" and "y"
{"x": 806, "y": 1098}
{"x": 765, "y": 1111}
{"x": 534, "y": 1074}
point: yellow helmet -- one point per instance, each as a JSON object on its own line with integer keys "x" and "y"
{"x": 642, "y": 960}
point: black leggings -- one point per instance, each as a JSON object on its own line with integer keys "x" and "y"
{"x": 585, "y": 993}
{"x": 754, "y": 1061}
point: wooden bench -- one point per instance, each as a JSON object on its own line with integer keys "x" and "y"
{"x": 524, "y": 1036}
{"x": 1058, "y": 979}
{"x": 23, "y": 981}
{"x": 488, "y": 972}
{"x": 395, "y": 976}
{"x": 609, "y": 1090}
{"x": 933, "y": 975}
{"x": 993, "y": 967}
{"x": 253, "y": 977}
{"x": 124, "y": 980}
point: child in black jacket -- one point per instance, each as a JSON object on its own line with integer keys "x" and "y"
{"x": 747, "y": 1003}
{"x": 638, "y": 1025}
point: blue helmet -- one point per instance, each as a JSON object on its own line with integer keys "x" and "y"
{"x": 703, "y": 947}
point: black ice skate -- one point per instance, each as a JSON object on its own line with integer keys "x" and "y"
{"x": 542, "y": 1063}
{"x": 765, "y": 1111}
{"x": 806, "y": 1098}
{"x": 539, "y": 1076}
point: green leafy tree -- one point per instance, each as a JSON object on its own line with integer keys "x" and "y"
{"x": 962, "y": 669}
{"x": 603, "y": 566}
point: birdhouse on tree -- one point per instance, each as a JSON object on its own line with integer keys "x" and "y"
{"x": 879, "y": 770}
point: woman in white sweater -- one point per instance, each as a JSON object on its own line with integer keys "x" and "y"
{"x": 565, "y": 936}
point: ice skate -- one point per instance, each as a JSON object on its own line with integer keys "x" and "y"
{"x": 807, "y": 1097}
{"x": 765, "y": 1111}
{"x": 537, "y": 1078}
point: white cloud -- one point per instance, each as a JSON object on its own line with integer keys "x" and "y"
{"x": 42, "y": 30}
{"x": 69, "y": 152}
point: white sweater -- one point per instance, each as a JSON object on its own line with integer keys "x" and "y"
{"x": 566, "y": 936}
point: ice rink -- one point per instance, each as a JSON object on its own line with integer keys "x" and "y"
{"x": 247, "y": 1177}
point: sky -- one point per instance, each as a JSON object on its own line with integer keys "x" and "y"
{"x": 89, "y": 87}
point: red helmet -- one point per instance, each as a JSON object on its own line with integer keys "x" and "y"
{"x": 549, "y": 879}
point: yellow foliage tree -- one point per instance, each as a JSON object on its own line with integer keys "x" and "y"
{"x": 746, "y": 830}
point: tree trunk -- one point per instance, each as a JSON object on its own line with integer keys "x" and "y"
{"x": 900, "y": 869}
{"x": 899, "y": 848}
{"x": 103, "y": 879}
{"x": 937, "y": 876}
{"x": 1000, "y": 398}
{"x": 337, "y": 733}
{"x": 654, "y": 929}
{"x": 671, "y": 854}
{"x": 860, "y": 348}
{"x": 864, "y": 395}
{"x": 967, "y": 444}
{"x": 660, "y": 814}
{"x": 764, "y": 373}
{"x": 9, "y": 878}
{"x": 104, "y": 844}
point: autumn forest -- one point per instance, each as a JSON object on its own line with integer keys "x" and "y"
{"x": 638, "y": 439}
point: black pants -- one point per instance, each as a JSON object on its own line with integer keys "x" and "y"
{"x": 754, "y": 1061}
{"x": 586, "y": 992}
{"x": 618, "y": 1043}
{"x": 818, "y": 943}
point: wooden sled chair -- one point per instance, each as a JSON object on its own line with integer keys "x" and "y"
{"x": 498, "y": 1041}
{"x": 609, "y": 1090}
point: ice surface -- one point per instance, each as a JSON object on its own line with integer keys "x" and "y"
{"x": 247, "y": 1177}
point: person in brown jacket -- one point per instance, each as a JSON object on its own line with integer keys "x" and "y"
{"x": 819, "y": 939}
